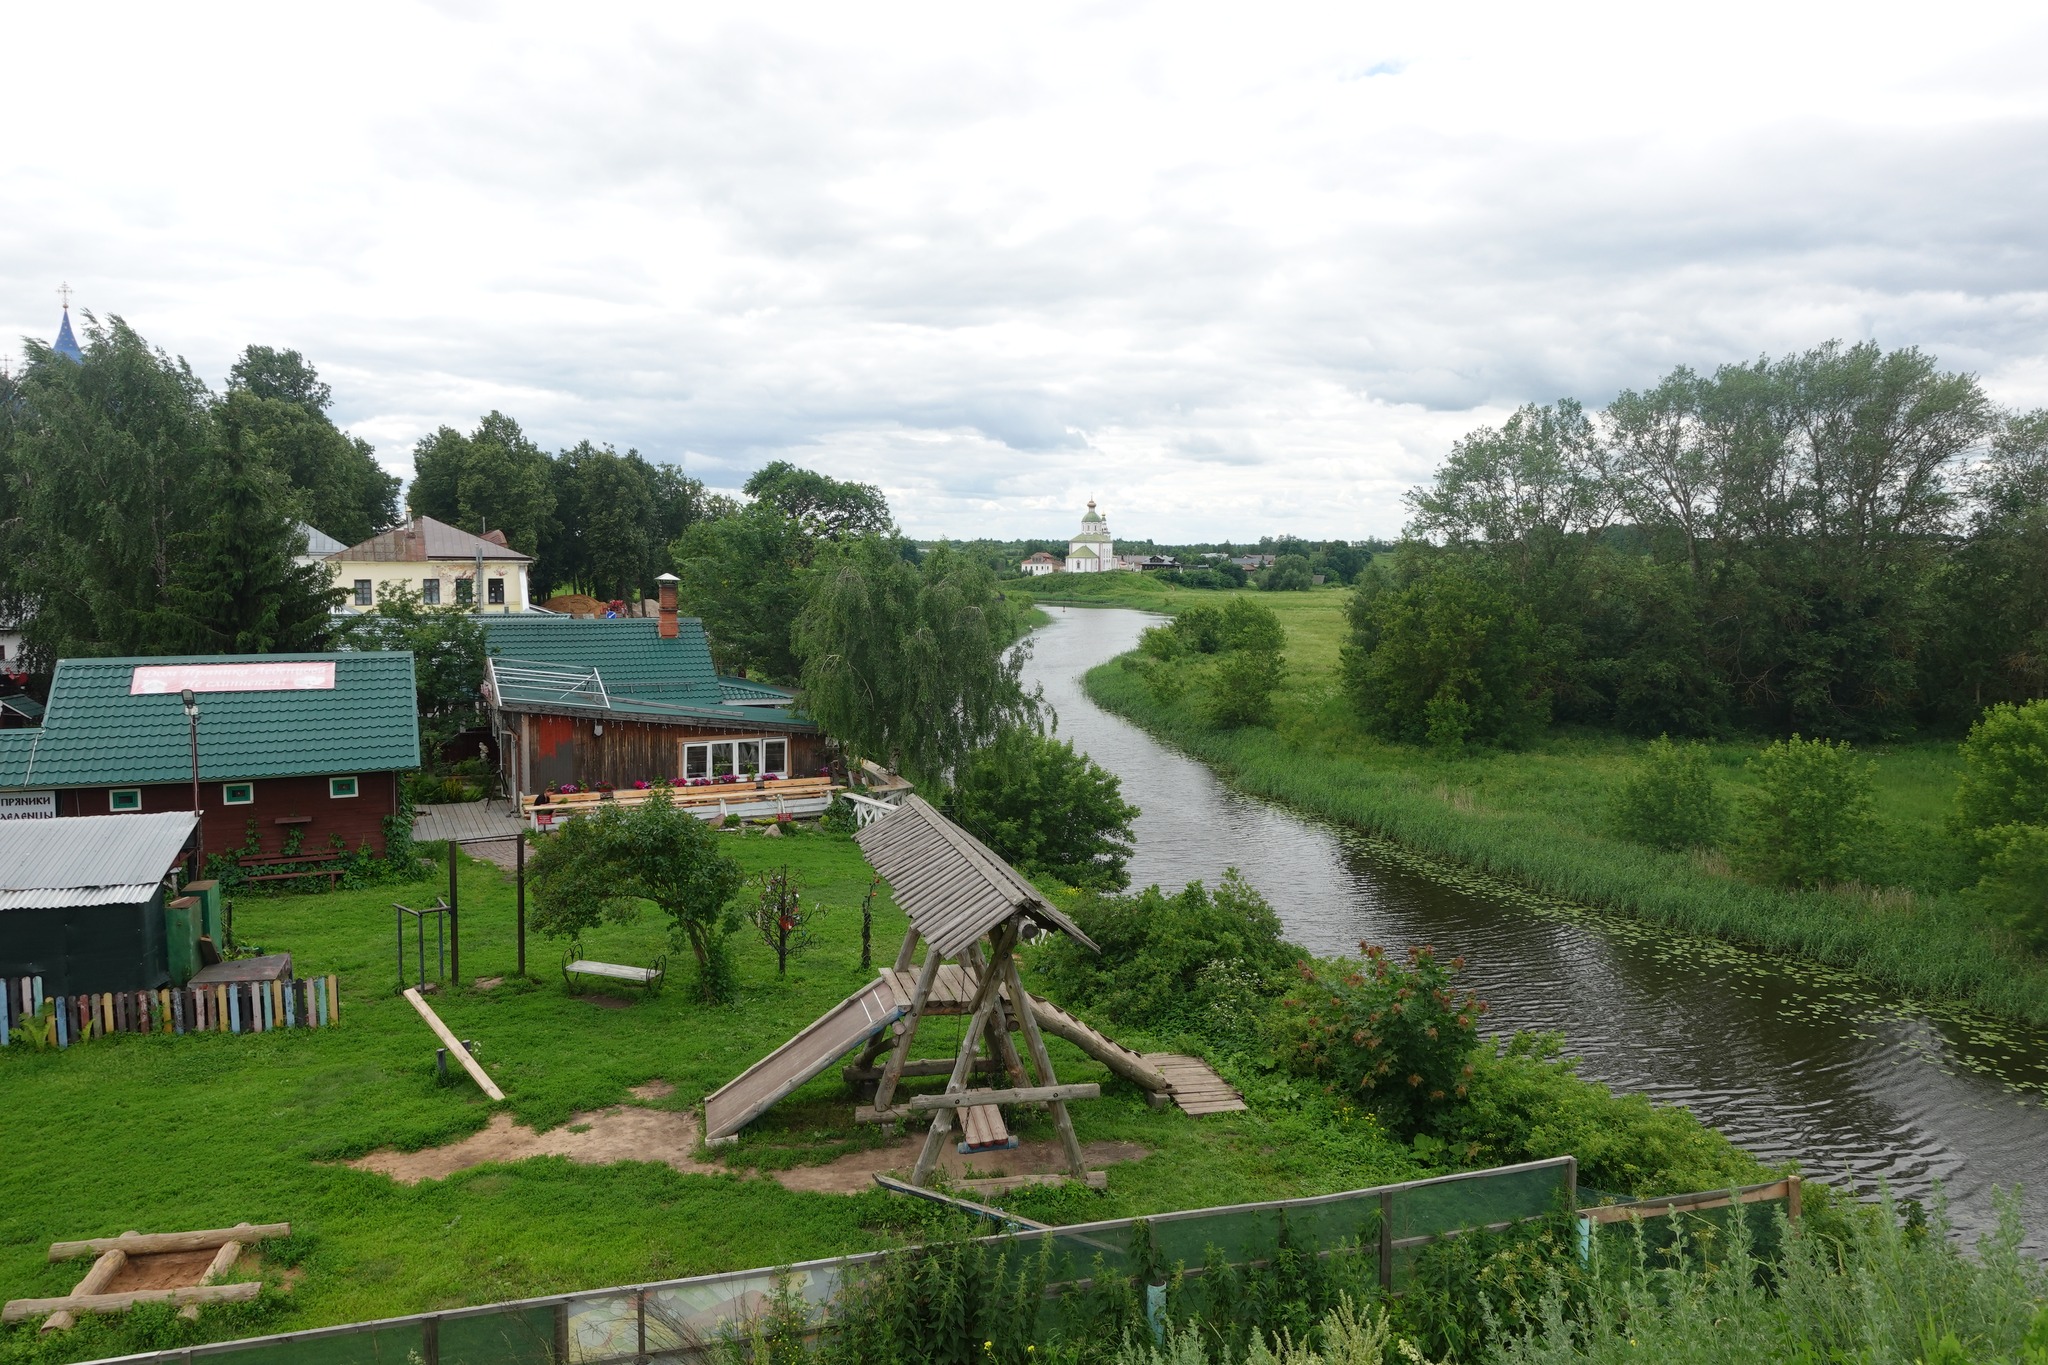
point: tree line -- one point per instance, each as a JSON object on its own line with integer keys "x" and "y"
{"x": 1844, "y": 542}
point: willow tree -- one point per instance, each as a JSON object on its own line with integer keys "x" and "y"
{"x": 909, "y": 664}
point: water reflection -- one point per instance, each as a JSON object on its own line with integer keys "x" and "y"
{"x": 1788, "y": 1061}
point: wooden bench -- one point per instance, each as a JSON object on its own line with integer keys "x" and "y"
{"x": 333, "y": 866}
{"x": 649, "y": 979}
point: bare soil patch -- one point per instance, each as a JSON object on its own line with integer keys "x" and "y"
{"x": 631, "y": 1133}
{"x": 161, "y": 1270}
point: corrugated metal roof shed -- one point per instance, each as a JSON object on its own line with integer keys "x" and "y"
{"x": 96, "y": 732}
{"x": 89, "y": 859}
{"x": 950, "y": 884}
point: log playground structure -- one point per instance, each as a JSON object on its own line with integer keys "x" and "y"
{"x": 970, "y": 910}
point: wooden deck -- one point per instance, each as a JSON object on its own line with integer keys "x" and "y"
{"x": 785, "y": 796}
{"x": 952, "y": 990}
{"x": 466, "y": 822}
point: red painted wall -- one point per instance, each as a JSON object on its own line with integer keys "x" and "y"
{"x": 355, "y": 819}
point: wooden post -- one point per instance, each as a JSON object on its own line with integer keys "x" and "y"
{"x": 1001, "y": 1045}
{"x": 885, "y": 1089}
{"x": 1792, "y": 1199}
{"x": 1386, "y": 1240}
{"x": 1040, "y": 1058}
{"x": 454, "y": 925}
{"x": 963, "y": 1060}
{"x": 905, "y": 954}
{"x": 519, "y": 858}
{"x": 95, "y": 1282}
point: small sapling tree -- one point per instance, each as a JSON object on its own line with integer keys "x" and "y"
{"x": 1810, "y": 819}
{"x": 1668, "y": 801}
{"x": 784, "y": 922}
{"x": 598, "y": 868}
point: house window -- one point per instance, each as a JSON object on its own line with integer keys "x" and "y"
{"x": 238, "y": 793}
{"x": 495, "y": 592}
{"x": 124, "y": 798}
{"x": 729, "y": 757}
{"x": 340, "y": 788}
{"x": 362, "y": 592}
{"x": 430, "y": 591}
{"x": 465, "y": 591}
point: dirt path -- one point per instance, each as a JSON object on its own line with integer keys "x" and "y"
{"x": 632, "y": 1132}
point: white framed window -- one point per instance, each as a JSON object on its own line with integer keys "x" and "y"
{"x": 365, "y": 593}
{"x": 430, "y": 591}
{"x": 762, "y": 756}
{"x": 124, "y": 798}
{"x": 341, "y": 788}
{"x": 237, "y": 793}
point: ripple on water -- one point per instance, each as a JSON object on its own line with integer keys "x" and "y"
{"x": 1792, "y": 1060}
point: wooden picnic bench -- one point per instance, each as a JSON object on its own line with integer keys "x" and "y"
{"x": 574, "y": 964}
{"x": 333, "y": 866}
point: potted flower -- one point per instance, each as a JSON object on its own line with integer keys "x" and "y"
{"x": 642, "y": 785}
{"x": 604, "y": 791}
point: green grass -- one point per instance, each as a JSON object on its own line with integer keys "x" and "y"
{"x": 1539, "y": 817}
{"x": 163, "y": 1134}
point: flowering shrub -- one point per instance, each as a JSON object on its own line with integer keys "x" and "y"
{"x": 1393, "y": 1036}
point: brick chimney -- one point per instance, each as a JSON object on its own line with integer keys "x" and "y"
{"x": 667, "y": 629}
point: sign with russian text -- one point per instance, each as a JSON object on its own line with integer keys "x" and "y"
{"x": 28, "y": 805}
{"x": 155, "y": 679}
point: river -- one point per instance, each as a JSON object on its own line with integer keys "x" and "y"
{"x": 1789, "y": 1061}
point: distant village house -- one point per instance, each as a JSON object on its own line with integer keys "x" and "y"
{"x": 441, "y": 563}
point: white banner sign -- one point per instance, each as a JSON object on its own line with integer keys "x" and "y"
{"x": 28, "y": 805}
{"x": 304, "y": 676}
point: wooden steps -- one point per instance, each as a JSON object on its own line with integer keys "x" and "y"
{"x": 1196, "y": 1088}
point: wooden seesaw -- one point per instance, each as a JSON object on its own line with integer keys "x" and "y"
{"x": 131, "y": 1251}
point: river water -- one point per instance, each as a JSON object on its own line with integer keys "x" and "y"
{"x": 1787, "y": 1060}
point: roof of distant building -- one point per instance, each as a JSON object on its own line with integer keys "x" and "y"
{"x": 622, "y": 664}
{"x": 260, "y": 716}
{"x": 1080, "y": 551}
{"x": 66, "y": 344}
{"x": 318, "y": 542}
{"x": 424, "y": 538}
{"x": 89, "y": 859}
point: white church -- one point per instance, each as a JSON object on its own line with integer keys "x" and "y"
{"x": 1090, "y": 551}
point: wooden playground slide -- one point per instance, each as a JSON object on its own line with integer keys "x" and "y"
{"x": 849, "y": 1024}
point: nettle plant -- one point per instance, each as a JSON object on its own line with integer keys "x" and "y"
{"x": 1393, "y": 1037}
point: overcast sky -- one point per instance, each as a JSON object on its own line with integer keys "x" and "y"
{"x": 1226, "y": 270}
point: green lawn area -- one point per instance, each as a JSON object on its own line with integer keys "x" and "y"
{"x": 1539, "y": 817}
{"x": 167, "y": 1133}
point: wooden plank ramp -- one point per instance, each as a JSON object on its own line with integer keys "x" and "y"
{"x": 1196, "y": 1088}
{"x": 845, "y": 1027}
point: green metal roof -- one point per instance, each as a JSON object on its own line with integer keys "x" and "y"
{"x": 96, "y": 734}
{"x": 621, "y": 664}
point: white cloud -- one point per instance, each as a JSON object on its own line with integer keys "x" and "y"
{"x": 1227, "y": 271}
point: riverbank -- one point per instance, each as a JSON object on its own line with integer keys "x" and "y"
{"x": 1537, "y": 818}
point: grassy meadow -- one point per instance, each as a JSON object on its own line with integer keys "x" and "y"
{"x": 169, "y": 1133}
{"x": 1539, "y": 816}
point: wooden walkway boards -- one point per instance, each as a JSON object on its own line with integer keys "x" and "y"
{"x": 1196, "y": 1088}
{"x": 952, "y": 989}
{"x": 465, "y": 822}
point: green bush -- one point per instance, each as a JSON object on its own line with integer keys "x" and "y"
{"x": 1392, "y": 1037}
{"x": 1290, "y": 573}
{"x": 1810, "y": 819}
{"x": 1197, "y": 962}
{"x": 2005, "y": 768}
{"x": 1527, "y": 1103}
{"x": 1046, "y": 808}
{"x": 2013, "y": 891}
{"x": 1241, "y": 687}
{"x": 1669, "y": 800}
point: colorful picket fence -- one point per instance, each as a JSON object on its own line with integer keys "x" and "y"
{"x": 240, "y": 1007}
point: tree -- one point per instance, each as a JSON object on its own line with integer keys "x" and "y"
{"x": 448, "y": 648}
{"x": 615, "y": 517}
{"x": 1290, "y": 573}
{"x": 277, "y": 404}
{"x": 2005, "y": 769}
{"x": 781, "y": 918}
{"x": 1810, "y": 818}
{"x": 1045, "y": 808}
{"x": 1441, "y": 651}
{"x": 740, "y": 574}
{"x": 237, "y": 582}
{"x": 906, "y": 663}
{"x": 1990, "y": 641}
{"x": 493, "y": 479}
{"x": 825, "y": 507}
{"x": 135, "y": 522}
{"x": 598, "y": 867}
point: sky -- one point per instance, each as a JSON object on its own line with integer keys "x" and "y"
{"x": 1230, "y": 271}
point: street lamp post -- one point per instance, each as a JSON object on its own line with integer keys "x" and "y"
{"x": 192, "y": 721}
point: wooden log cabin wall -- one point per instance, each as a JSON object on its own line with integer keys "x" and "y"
{"x": 589, "y": 750}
